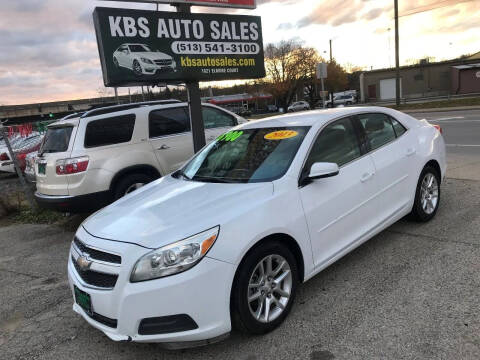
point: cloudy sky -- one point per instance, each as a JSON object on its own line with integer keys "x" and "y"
{"x": 48, "y": 50}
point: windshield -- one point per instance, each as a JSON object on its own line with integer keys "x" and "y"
{"x": 250, "y": 155}
{"x": 56, "y": 139}
{"x": 138, "y": 48}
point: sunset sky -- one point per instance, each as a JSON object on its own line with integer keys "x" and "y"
{"x": 48, "y": 50}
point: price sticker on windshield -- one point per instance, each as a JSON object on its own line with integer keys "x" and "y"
{"x": 230, "y": 136}
{"x": 281, "y": 134}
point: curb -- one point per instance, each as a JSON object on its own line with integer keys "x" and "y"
{"x": 444, "y": 109}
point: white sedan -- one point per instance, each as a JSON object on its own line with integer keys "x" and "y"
{"x": 142, "y": 60}
{"x": 225, "y": 241}
{"x": 299, "y": 106}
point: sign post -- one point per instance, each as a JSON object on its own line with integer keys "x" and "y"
{"x": 141, "y": 47}
{"x": 322, "y": 74}
{"x": 194, "y": 103}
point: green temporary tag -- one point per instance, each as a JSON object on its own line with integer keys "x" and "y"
{"x": 230, "y": 136}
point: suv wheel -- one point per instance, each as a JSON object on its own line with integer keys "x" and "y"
{"x": 427, "y": 195}
{"x": 131, "y": 183}
{"x": 264, "y": 288}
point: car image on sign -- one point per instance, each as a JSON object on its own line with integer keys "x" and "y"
{"x": 142, "y": 60}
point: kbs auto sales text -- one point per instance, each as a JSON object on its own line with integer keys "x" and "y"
{"x": 126, "y": 26}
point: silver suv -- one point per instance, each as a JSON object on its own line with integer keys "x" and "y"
{"x": 87, "y": 162}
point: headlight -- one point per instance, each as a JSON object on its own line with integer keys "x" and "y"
{"x": 174, "y": 258}
{"x": 146, "y": 61}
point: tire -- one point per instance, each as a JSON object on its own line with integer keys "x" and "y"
{"x": 128, "y": 184}
{"x": 137, "y": 68}
{"x": 242, "y": 310}
{"x": 329, "y": 105}
{"x": 349, "y": 103}
{"x": 427, "y": 197}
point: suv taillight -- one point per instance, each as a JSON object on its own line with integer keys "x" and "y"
{"x": 4, "y": 157}
{"x": 71, "y": 166}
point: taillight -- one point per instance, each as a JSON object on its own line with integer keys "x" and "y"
{"x": 4, "y": 157}
{"x": 21, "y": 156}
{"x": 71, "y": 166}
{"x": 439, "y": 128}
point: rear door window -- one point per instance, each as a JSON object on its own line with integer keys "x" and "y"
{"x": 109, "y": 131}
{"x": 56, "y": 139}
{"x": 168, "y": 122}
{"x": 214, "y": 118}
{"x": 378, "y": 129}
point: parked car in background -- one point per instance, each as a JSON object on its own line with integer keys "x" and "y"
{"x": 21, "y": 146}
{"x": 299, "y": 106}
{"x": 272, "y": 108}
{"x": 225, "y": 241}
{"x": 30, "y": 166}
{"x": 340, "y": 100}
{"x": 87, "y": 162}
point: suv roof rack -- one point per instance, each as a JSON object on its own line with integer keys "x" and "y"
{"x": 115, "y": 108}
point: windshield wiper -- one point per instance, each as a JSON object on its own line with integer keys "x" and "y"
{"x": 216, "y": 179}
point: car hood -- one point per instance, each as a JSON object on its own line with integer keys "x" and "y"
{"x": 170, "y": 209}
{"x": 153, "y": 55}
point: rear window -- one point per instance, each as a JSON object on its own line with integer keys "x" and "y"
{"x": 56, "y": 139}
{"x": 109, "y": 131}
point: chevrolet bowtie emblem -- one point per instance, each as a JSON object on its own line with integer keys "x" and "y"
{"x": 83, "y": 262}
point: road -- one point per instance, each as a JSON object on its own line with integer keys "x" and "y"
{"x": 411, "y": 292}
{"x": 461, "y": 130}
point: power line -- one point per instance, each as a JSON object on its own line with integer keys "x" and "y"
{"x": 433, "y": 6}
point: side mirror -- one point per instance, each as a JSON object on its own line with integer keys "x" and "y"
{"x": 322, "y": 170}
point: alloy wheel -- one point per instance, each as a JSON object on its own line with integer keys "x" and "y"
{"x": 429, "y": 193}
{"x": 269, "y": 288}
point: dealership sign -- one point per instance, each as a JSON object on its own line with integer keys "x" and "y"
{"x": 139, "y": 47}
{"x": 245, "y": 4}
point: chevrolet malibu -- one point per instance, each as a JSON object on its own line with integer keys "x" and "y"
{"x": 225, "y": 241}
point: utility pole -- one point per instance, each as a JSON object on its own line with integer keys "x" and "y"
{"x": 194, "y": 102}
{"x": 331, "y": 56}
{"x": 26, "y": 189}
{"x": 397, "y": 58}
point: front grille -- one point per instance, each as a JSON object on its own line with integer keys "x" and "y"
{"x": 163, "y": 62}
{"x": 95, "y": 278}
{"x": 97, "y": 254}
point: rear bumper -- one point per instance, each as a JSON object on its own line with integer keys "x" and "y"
{"x": 74, "y": 204}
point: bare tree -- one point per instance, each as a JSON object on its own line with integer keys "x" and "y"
{"x": 283, "y": 67}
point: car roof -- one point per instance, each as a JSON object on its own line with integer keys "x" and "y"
{"x": 314, "y": 117}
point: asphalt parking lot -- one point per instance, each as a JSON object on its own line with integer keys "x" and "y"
{"x": 412, "y": 292}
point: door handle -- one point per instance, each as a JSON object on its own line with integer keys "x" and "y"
{"x": 163, "y": 147}
{"x": 411, "y": 151}
{"x": 366, "y": 176}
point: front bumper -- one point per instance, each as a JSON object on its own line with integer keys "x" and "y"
{"x": 149, "y": 69}
{"x": 74, "y": 204}
{"x": 201, "y": 293}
